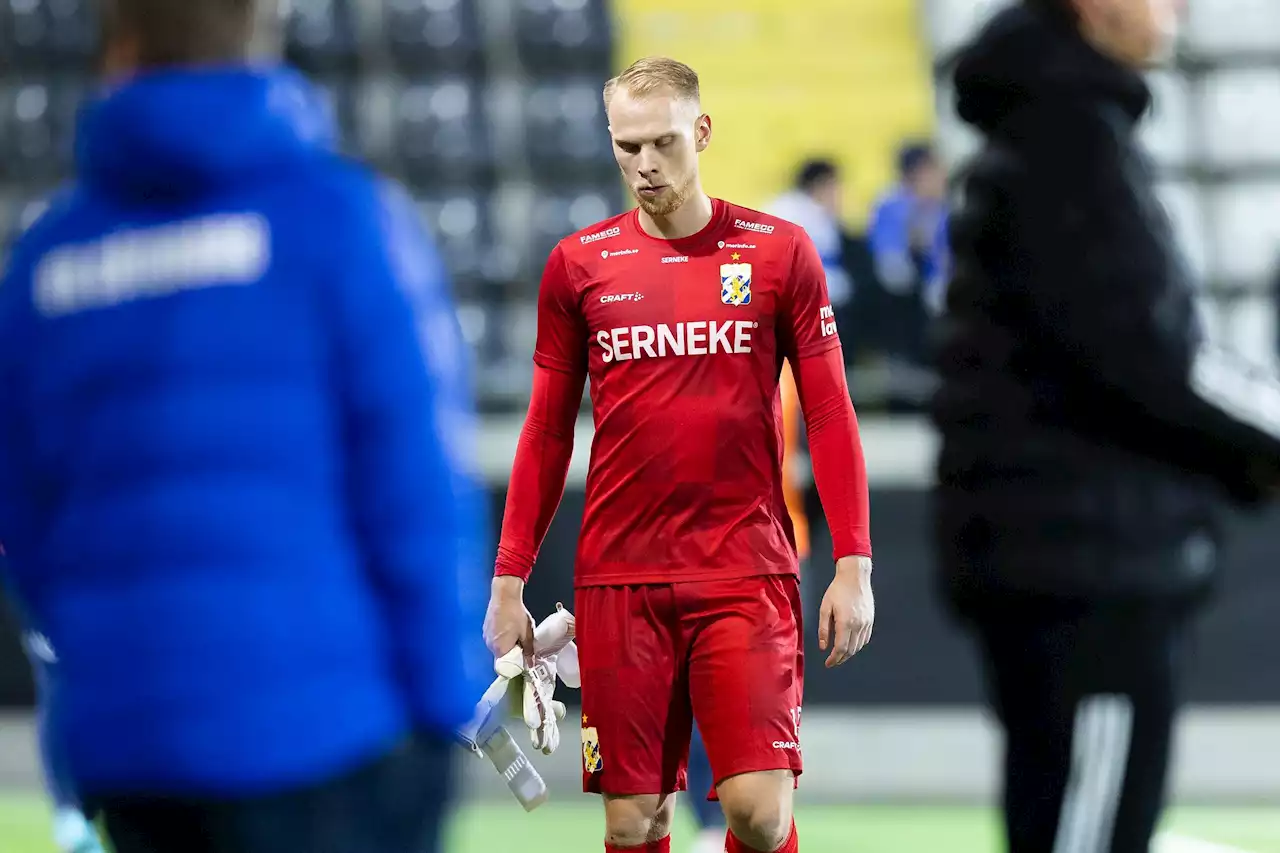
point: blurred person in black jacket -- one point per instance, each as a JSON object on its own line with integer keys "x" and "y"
{"x": 1091, "y": 436}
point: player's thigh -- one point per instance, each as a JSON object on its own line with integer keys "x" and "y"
{"x": 746, "y": 674}
{"x": 636, "y": 718}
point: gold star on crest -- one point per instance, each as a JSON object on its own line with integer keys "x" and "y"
{"x": 736, "y": 256}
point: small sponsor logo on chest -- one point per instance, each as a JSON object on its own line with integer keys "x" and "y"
{"x": 600, "y": 235}
{"x": 758, "y": 227}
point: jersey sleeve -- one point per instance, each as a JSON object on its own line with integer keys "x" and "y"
{"x": 808, "y": 323}
{"x": 562, "y": 330}
{"x": 839, "y": 469}
{"x": 540, "y": 469}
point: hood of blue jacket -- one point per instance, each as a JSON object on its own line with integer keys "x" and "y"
{"x": 178, "y": 133}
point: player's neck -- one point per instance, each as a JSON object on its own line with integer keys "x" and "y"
{"x": 685, "y": 221}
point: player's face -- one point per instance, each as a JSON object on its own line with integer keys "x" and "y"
{"x": 1136, "y": 32}
{"x": 656, "y": 141}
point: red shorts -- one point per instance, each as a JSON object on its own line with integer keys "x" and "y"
{"x": 728, "y": 653}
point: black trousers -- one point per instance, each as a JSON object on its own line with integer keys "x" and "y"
{"x": 1087, "y": 694}
{"x": 395, "y": 804}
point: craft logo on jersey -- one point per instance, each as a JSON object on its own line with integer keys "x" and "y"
{"x": 592, "y": 761}
{"x": 735, "y": 284}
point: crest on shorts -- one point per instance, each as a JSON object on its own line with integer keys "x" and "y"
{"x": 735, "y": 284}
{"x": 592, "y": 761}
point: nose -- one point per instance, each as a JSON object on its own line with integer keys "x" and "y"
{"x": 645, "y": 164}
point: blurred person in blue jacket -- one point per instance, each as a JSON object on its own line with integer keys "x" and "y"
{"x": 908, "y": 224}
{"x": 236, "y": 484}
{"x": 73, "y": 831}
{"x": 908, "y": 239}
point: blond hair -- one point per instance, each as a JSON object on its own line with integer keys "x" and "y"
{"x": 656, "y": 73}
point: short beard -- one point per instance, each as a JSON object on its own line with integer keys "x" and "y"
{"x": 666, "y": 205}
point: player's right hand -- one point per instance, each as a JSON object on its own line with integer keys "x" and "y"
{"x": 507, "y": 622}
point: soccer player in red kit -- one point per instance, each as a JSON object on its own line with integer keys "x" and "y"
{"x": 681, "y": 313}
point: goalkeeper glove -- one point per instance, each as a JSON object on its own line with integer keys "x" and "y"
{"x": 555, "y": 655}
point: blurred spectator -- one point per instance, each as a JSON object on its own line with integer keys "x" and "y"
{"x": 907, "y": 238}
{"x": 236, "y": 486}
{"x": 814, "y": 204}
{"x": 908, "y": 224}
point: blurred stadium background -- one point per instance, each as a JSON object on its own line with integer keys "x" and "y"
{"x": 490, "y": 111}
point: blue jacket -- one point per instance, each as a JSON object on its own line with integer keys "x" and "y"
{"x": 889, "y": 236}
{"x": 235, "y": 479}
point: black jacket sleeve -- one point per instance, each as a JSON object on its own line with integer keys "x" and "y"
{"x": 1101, "y": 279}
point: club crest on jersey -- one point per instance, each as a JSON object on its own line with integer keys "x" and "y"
{"x": 592, "y": 761}
{"x": 735, "y": 284}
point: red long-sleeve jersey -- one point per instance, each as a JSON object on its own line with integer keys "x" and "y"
{"x": 683, "y": 342}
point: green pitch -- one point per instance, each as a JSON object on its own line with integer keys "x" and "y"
{"x": 575, "y": 828}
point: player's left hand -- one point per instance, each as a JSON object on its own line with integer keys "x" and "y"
{"x": 848, "y": 611}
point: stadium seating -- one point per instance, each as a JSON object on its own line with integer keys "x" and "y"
{"x": 556, "y": 36}
{"x": 564, "y": 119}
{"x": 37, "y": 121}
{"x": 462, "y": 223}
{"x": 47, "y": 35}
{"x": 321, "y": 35}
{"x": 434, "y": 36}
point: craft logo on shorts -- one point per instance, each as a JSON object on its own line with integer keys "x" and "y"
{"x": 758, "y": 227}
{"x": 600, "y": 235}
{"x": 592, "y": 761}
{"x": 735, "y": 284}
{"x": 795, "y": 728}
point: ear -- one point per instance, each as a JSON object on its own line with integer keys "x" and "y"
{"x": 702, "y": 133}
{"x": 119, "y": 56}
